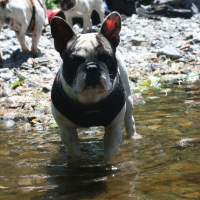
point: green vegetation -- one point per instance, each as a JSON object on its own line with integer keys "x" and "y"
{"x": 51, "y": 4}
{"x": 18, "y": 83}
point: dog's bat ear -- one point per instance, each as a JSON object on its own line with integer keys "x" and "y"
{"x": 61, "y": 32}
{"x": 111, "y": 28}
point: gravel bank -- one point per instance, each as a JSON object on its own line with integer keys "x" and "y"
{"x": 155, "y": 51}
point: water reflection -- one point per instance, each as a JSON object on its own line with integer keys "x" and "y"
{"x": 35, "y": 165}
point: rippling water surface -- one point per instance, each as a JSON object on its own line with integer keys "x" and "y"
{"x": 34, "y": 165}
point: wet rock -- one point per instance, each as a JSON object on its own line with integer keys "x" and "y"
{"x": 153, "y": 97}
{"x": 176, "y": 81}
{"x": 26, "y": 127}
{"x": 186, "y": 142}
{"x": 8, "y": 116}
{"x": 165, "y": 91}
{"x": 139, "y": 102}
{"x": 9, "y": 124}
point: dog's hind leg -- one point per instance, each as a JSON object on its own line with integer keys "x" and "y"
{"x": 100, "y": 10}
{"x": 21, "y": 38}
{"x": 1, "y": 25}
{"x": 35, "y": 39}
{"x": 129, "y": 121}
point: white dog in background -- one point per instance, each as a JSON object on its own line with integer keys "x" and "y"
{"x": 18, "y": 14}
{"x": 83, "y": 9}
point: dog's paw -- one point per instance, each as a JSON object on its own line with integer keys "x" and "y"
{"x": 135, "y": 136}
{"x": 34, "y": 54}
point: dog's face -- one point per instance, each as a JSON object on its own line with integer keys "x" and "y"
{"x": 89, "y": 59}
{"x": 66, "y": 4}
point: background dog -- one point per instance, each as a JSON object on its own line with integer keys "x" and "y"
{"x": 17, "y": 14}
{"x": 83, "y": 9}
{"x": 92, "y": 85}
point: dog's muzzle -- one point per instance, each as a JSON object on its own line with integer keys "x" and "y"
{"x": 93, "y": 74}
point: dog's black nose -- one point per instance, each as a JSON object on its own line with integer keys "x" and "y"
{"x": 91, "y": 67}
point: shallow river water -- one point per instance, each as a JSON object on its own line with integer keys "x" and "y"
{"x": 34, "y": 165}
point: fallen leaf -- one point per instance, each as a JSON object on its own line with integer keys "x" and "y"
{"x": 184, "y": 46}
{"x": 2, "y": 112}
{"x": 155, "y": 60}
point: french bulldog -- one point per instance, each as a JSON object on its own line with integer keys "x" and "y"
{"x": 17, "y": 14}
{"x": 91, "y": 87}
{"x": 83, "y": 9}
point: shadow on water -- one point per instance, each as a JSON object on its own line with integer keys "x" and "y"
{"x": 88, "y": 179}
{"x": 164, "y": 164}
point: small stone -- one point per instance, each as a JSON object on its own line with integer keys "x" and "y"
{"x": 45, "y": 70}
{"x": 9, "y": 124}
{"x": 154, "y": 67}
{"x": 165, "y": 91}
{"x": 186, "y": 142}
{"x": 6, "y": 76}
{"x": 4, "y": 70}
{"x": 185, "y": 71}
{"x": 43, "y": 59}
{"x": 139, "y": 102}
{"x": 170, "y": 52}
{"x": 46, "y": 88}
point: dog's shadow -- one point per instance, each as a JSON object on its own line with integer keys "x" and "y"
{"x": 84, "y": 179}
{"x": 17, "y": 58}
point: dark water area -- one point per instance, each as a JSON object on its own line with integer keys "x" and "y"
{"x": 161, "y": 165}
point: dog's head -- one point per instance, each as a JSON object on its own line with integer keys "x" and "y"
{"x": 89, "y": 60}
{"x": 66, "y": 4}
{"x": 3, "y": 3}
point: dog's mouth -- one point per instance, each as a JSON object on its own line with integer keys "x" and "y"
{"x": 92, "y": 78}
{"x": 97, "y": 81}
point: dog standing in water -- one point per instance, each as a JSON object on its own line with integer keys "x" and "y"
{"x": 92, "y": 85}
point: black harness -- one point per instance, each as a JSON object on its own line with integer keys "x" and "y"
{"x": 98, "y": 114}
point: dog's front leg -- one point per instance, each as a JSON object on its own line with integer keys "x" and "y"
{"x": 113, "y": 135}
{"x": 69, "y": 138}
{"x": 86, "y": 22}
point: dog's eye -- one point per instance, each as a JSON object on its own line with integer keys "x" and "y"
{"x": 76, "y": 60}
{"x": 105, "y": 58}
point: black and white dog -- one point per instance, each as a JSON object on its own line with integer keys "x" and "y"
{"x": 82, "y": 9}
{"x": 92, "y": 85}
